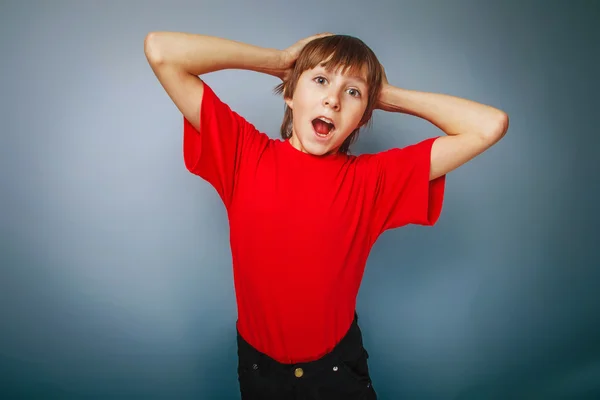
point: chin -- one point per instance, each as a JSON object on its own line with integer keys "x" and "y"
{"x": 320, "y": 146}
{"x": 317, "y": 147}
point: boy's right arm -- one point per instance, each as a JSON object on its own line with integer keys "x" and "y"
{"x": 178, "y": 58}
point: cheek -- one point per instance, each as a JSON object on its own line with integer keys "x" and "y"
{"x": 302, "y": 99}
{"x": 354, "y": 114}
{"x": 301, "y": 106}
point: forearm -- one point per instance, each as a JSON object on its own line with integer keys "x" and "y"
{"x": 453, "y": 115}
{"x": 202, "y": 54}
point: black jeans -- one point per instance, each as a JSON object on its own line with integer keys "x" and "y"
{"x": 341, "y": 374}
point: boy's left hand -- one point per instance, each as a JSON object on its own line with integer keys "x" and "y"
{"x": 382, "y": 93}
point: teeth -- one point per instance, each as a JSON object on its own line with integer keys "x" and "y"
{"x": 326, "y": 120}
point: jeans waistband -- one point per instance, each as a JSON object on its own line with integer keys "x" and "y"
{"x": 349, "y": 347}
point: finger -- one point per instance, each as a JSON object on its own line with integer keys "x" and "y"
{"x": 318, "y": 36}
{"x": 302, "y": 42}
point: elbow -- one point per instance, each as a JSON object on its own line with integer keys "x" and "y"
{"x": 502, "y": 123}
{"x": 498, "y": 126}
{"x": 152, "y": 48}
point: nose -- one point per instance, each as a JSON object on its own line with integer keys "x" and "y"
{"x": 332, "y": 100}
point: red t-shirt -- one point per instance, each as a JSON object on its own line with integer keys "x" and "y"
{"x": 302, "y": 226}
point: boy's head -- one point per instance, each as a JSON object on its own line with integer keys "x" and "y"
{"x": 330, "y": 94}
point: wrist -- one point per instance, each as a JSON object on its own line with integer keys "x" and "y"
{"x": 283, "y": 59}
{"x": 385, "y": 96}
{"x": 280, "y": 62}
{"x": 271, "y": 62}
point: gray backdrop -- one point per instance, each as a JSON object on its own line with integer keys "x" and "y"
{"x": 115, "y": 267}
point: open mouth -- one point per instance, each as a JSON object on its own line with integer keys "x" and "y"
{"x": 323, "y": 126}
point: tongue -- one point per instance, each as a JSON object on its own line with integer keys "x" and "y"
{"x": 321, "y": 127}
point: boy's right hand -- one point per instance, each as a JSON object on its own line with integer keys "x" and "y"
{"x": 290, "y": 55}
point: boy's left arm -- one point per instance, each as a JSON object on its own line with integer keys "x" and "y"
{"x": 471, "y": 127}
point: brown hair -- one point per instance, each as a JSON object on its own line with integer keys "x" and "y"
{"x": 332, "y": 52}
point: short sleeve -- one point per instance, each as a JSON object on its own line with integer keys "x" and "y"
{"x": 225, "y": 140}
{"x": 403, "y": 192}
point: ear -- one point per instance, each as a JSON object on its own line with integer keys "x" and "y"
{"x": 289, "y": 102}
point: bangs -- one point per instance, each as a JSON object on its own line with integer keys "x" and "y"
{"x": 345, "y": 53}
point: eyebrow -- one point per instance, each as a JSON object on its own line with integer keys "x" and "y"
{"x": 358, "y": 78}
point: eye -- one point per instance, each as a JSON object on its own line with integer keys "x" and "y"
{"x": 353, "y": 92}
{"x": 320, "y": 80}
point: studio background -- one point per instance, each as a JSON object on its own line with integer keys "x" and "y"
{"x": 116, "y": 279}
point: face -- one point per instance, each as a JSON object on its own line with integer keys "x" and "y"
{"x": 327, "y": 106}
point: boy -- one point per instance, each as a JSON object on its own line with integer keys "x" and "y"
{"x": 303, "y": 213}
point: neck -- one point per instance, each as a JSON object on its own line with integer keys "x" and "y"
{"x": 295, "y": 143}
